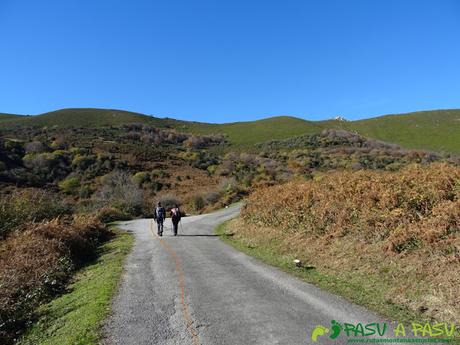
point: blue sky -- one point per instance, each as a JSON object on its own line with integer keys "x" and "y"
{"x": 221, "y": 61}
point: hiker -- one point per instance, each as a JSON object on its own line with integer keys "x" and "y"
{"x": 159, "y": 216}
{"x": 175, "y": 218}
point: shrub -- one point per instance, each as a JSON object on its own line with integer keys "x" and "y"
{"x": 110, "y": 214}
{"x": 415, "y": 207}
{"x": 29, "y": 205}
{"x": 85, "y": 192}
{"x": 168, "y": 201}
{"x": 70, "y": 185}
{"x": 211, "y": 198}
{"x": 228, "y": 186}
{"x": 83, "y": 162}
{"x": 35, "y": 147}
{"x": 395, "y": 230}
{"x": 119, "y": 191}
{"x": 197, "y": 203}
{"x": 212, "y": 169}
{"x": 140, "y": 177}
{"x": 49, "y": 166}
{"x": 36, "y": 263}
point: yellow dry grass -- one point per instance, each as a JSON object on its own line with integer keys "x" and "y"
{"x": 398, "y": 231}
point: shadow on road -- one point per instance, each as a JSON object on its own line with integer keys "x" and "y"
{"x": 198, "y": 235}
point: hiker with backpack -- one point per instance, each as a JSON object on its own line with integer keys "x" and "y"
{"x": 159, "y": 215}
{"x": 175, "y": 218}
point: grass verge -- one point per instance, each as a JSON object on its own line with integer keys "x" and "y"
{"x": 364, "y": 290}
{"x": 347, "y": 284}
{"x": 75, "y": 318}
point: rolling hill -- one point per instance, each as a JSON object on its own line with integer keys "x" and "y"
{"x": 245, "y": 134}
{"x": 436, "y": 130}
{"x": 5, "y": 117}
{"x": 80, "y": 117}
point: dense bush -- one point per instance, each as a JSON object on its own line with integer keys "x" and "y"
{"x": 149, "y": 180}
{"x": 70, "y": 185}
{"x": 48, "y": 165}
{"x": 200, "y": 159}
{"x": 28, "y": 205}
{"x": 401, "y": 229}
{"x": 151, "y": 135}
{"x": 168, "y": 201}
{"x": 40, "y": 156}
{"x": 396, "y": 208}
{"x": 197, "y": 203}
{"x": 252, "y": 169}
{"x": 119, "y": 191}
{"x": 339, "y": 149}
{"x": 111, "y": 214}
{"x": 36, "y": 263}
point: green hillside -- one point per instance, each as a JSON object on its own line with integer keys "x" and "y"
{"x": 5, "y": 117}
{"x": 437, "y": 130}
{"x": 240, "y": 134}
{"x": 82, "y": 117}
{"x": 245, "y": 134}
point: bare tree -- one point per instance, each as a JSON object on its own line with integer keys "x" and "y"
{"x": 119, "y": 190}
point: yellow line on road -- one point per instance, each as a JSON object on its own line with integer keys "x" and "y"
{"x": 180, "y": 275}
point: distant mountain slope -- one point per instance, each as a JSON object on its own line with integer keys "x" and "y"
{"x": 4, "y": 117}
{"x": 240, "y": 134}
{"x": 82, "y": 117}
{"x": 437, "y": 130}
{"x": 245, "y": 134}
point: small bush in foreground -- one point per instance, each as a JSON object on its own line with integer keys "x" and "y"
{"x": 36, "y": 263}
{"x": 110, "y": 214}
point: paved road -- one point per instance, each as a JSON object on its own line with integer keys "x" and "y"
{"x": 194, "y": 289}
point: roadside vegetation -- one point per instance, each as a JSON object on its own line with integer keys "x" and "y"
{"x": 37, "y": 261}
{"x": 76, "y": 317}
{"x": 388, "y": 240}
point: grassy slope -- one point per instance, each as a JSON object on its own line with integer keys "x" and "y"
{"x": 245, "y": 134}
{"x": 6, "y": 117}
{"x": 437, "y": 130}
{"x": 76, "y": 317}
{"x": 86, "y": 117}
{"x": 240, "y": 134}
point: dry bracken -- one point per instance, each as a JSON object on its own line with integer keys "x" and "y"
{"x": 402, "y": 228}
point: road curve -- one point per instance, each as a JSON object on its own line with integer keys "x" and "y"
{"x": 194, "y": 289}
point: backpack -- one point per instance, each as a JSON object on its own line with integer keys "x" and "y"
{"x": 176, "y": 213}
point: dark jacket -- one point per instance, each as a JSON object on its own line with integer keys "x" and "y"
{"x": 159, "y": 214}
{"x": 175, "y": 215}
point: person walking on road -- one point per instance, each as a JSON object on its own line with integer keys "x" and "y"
{"x": 159, "y": 216}
{"x": 175, "y": 218}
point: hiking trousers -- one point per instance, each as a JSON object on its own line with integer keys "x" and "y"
{"x": 175, "y": 227}
{"x": 160, "y": 226}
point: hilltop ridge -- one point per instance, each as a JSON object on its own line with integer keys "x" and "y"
{"x": 437, "y": 130}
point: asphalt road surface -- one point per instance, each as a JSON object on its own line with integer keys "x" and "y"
{"x": 194, "y": 289}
